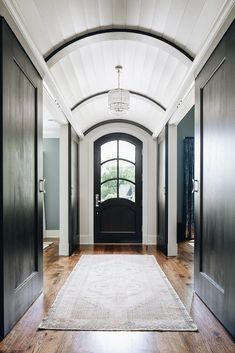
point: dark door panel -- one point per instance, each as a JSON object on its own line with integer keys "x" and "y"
{"x": 111, "y": 212}
{"x": 162, "y": 219}
{"x": 215, "y": 172}
{"x": 118, "y": 189}
{"x": 21, "y": 169}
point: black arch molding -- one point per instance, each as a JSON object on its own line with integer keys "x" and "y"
{"x": 105, "y": 92}
{"x": 125, "y": 121}
{"x": 88, "y": 35}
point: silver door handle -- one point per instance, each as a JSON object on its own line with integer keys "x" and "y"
{"x": 195, "y": 185}
{"x": 42, "y": 185}
{"x": 97, "y": 200}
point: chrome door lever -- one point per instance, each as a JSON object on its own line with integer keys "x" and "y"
{"x": 97, "y": 200}
{"x": 195, "y": 185}
{"x": 42, "y": 185}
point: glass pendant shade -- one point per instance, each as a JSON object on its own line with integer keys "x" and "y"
{"x": 118, "y": 101}
{"x": 118, "y": 98}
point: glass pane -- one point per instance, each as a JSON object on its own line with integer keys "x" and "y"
{"x": 127, "y": 190}
{"x": 126, "y": 170}
{"x": 127, "y": 151}
{"x": 108, "y": 151}
{"x": 109, "y": 170}
{"x": 109, "y": 190}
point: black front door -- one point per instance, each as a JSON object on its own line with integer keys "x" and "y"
{"x": 162, "y": 233}
{"x": 118, "y": 189}
{"x": 215, "y": 184}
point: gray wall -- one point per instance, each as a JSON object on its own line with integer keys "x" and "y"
{"x": 184, "y": 129}
{"x": 51, "y": 150}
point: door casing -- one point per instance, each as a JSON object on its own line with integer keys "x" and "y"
{"x": 162, "y": 192}
{"x": 73, "y": 189}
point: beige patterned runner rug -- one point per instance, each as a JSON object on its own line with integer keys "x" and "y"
{"x": 118, "y": 293}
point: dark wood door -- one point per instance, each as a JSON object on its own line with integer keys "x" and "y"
{"x": 215, "y": 186}
{"x": 74, "y": 238}
{"x": 21, "y": 169}
{"x": 162, "y": 219}
{"x": 118, "y": 189}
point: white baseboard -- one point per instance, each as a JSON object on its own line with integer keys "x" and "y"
{"x": 52, "y": 233}
{"x": 84, "y": 240}
{"x": 151, "y": 240}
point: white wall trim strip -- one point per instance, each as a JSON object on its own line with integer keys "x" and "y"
{"x": 64, "y": 199}
{"x": 52, "y": 233}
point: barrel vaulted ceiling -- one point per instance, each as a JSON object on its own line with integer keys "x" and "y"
{"x": 154, "y": 40}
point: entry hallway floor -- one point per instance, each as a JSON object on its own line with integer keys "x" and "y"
{"x": 211, "y": 338}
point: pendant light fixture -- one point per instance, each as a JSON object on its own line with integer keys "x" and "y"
{"x": 118, "y": 98}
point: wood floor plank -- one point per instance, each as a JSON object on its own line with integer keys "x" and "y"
{"x": 211, "y": 338}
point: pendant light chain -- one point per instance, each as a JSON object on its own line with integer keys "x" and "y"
{"x": 118, "y": 72}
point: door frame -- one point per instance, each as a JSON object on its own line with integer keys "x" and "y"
{"x": 169, "y": 133}
{"x": 138, "y": 183}
{"x": 87, "y": 184}
{"x": 163, "y": 138}
{"x": 72, "y": 137}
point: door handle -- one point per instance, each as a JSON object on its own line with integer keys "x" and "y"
{"x": 42, "y": 186}
{"x": 195, "y": 185}
{"x": 97, "y": 200}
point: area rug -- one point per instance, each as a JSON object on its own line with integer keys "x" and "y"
{"x": 46, "y": 244}
{"x": 118, "y": 293}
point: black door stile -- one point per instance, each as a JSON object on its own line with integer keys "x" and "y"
{"x": 162, "y": 191}
{"x": 21, "y": 179}
{"x": 215, "y": 174}
{"x": 73, "y": 192}
{"x": 118, "y": 217}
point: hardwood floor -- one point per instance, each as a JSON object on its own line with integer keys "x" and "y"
{"x": 211, "y": 338}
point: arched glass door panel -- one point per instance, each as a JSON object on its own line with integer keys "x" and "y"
{"x": 108, "y": 151}
{"x": 117, "y": 170}
{"x": 109, "y": 170}
{"x": 108, "y": 190}
{"x": 126, "y": 170}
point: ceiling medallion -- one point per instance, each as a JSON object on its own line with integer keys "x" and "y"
{"x": 118, "y": 98}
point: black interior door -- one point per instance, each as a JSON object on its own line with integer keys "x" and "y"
{"x": 162, "y": 219}
{"x": 118, "y": 189}
{"x": 74, "y": 238}
{"x": 21, "y": 171}
{"x": 215, "y": 186}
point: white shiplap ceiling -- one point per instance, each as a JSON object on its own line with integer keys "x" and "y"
{"x": 149, "y": 68}
{"x": 92, "y": 113}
